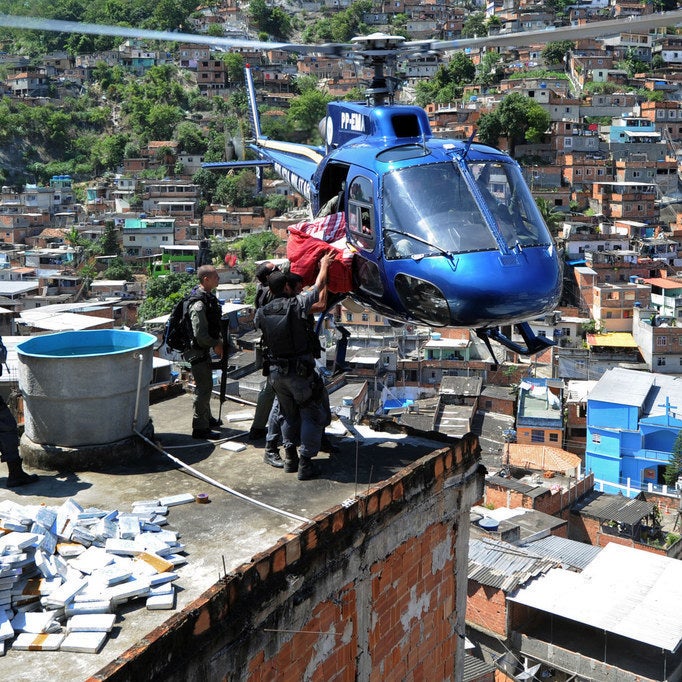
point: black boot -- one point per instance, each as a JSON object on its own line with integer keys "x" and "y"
{"x": 307, "y": 469}
{"x": 290, "y": 460}
{"x": 272, "y": 457}
{"x": 17, "y": 476}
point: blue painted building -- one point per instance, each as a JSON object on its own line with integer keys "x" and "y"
{"x": 633, "y": 419}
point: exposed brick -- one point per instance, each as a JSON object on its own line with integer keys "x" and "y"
{"x": 263, "y": 568}
{"x": 309, "y": 538}
{"x": 372, "y": 504}
{"x": 386, "y": 498}
{"x": 338, "y": 519}
{"x": 293, "y": 549}
{"x": 279, "y": 560}
{"x": 203, "y": 622}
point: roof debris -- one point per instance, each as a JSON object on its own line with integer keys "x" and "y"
{"x": 65, "y": 570}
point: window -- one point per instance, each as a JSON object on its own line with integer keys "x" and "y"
{"x": 132, "y": 239}
{"x": 565, "y": 331}
{"x": 361, "y": 213}
{"x": 537, "y": 436}
{"x": 661, "y": 341}
{"x": 349, "y": 317}
{"x": 661, "y": 362}
{"x": 553, "y": 437}
{"x": 489, "y": 403}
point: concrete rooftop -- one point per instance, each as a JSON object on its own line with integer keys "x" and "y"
{"x": 219, "y": 536}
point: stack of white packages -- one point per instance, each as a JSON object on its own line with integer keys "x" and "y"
{"x": 65, "y": 570}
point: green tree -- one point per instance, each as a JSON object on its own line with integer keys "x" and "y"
{"x": 490, "y": 70}
{"x": 278, "y": 202}
{"x": 306, "y": 111}
{"x": 550, "y": 214}
{"x": 674, "y": 467}
{"x": 73, "y": 237}
{"x": 109, "y": 239}
{"x": 489, "y": 129}
{"x": 236, "y": 189}
{"x": 234, "y": 65}
{"x": 162, "y": 119}
{"x": 272, "y": 20}
{"x": 554, "y": 52}
{"x": 119, "y": 269}
{"x": 258, "y": 246}
{"x": 521, "y": 119}
{"x": 190, "y": 138}
{"x": 475, "y": 26}
{"x": 164, "y": 292}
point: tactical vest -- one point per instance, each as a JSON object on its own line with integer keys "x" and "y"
{"x": 285, "y": 332}
{"x": 213, "y": 310}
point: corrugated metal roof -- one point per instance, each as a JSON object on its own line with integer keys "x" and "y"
{"x": 617, "y": 508}
{"x": 512, "y": 484}
{"x": 624, "y": 591}
{"x": 474, "y": 668}
{"x": 503, "y": 566}
{"x": 622, "y": 386}
{"x": 570, "y": 553}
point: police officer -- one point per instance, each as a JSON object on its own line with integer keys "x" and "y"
{"x": 266, "y": 396}
{"x": 204, "y": 313}
{"x": 9, "y": 449}
{"x": 290, "y": 354}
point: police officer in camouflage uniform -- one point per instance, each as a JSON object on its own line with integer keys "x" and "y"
{"x": 292, "y": 375}
{"x": 204, "y": 313}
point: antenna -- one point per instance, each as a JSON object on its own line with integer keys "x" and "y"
{"x": 469, "y": 143}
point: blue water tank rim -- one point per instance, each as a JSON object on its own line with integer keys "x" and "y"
{"x": 46, "y": 345}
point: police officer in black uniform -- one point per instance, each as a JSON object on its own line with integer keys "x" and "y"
{"x": 292, "y": 375}
{"x": 9, "y": 449}
{"x": 204, "y": 313}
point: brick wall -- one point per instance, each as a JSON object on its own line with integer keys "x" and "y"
{"x": 548, "y": 502}
{"x": 366, "y": 591}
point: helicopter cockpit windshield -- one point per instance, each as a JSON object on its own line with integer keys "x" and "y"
{"x": 510, "y": 202}
{"x": 430, "y": 210}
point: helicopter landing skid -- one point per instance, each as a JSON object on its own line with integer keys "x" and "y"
{"x": 534, "y": 344}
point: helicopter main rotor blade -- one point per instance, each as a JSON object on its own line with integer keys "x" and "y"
{"x": 519, "y": 39}
{"x": 598, "y": 29}
{"x": 62, "y": 26}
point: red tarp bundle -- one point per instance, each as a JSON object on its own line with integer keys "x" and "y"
{"x": 309, "y": 241}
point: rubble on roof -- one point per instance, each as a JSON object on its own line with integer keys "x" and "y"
{"x": 65, "y": 570}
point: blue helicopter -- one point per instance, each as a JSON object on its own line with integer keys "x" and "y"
{"x": 445, "y": 232}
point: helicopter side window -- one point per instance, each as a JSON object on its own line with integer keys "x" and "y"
{"x": 361, "y": 214}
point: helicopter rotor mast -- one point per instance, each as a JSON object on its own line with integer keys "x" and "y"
{"x": 378, "y": 50}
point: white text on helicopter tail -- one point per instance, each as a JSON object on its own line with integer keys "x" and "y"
{"x": 354, "y": 122}
{"x": 301, "y": 185}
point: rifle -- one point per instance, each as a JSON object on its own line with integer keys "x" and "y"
{"x": 225, "y": 333}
